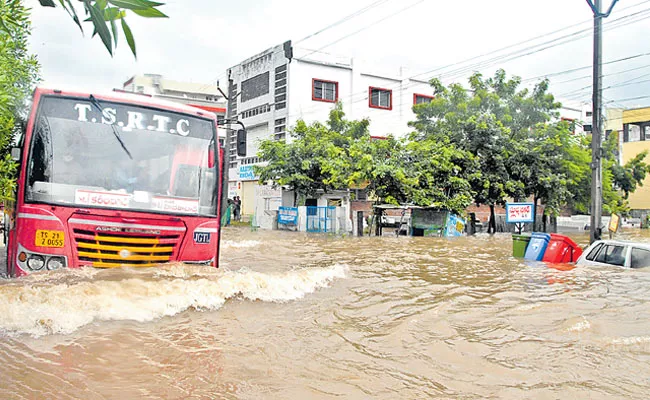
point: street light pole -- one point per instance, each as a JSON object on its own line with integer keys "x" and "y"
{"x": 596, "y": 124}
{"x": 596, "y": 130}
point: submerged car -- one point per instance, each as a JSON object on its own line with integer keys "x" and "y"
{"x": 616, "y": 252}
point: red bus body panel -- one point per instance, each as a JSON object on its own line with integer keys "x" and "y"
{"x": 155, "y": 237}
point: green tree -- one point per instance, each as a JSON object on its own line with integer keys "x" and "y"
{"x": 439, "y": 175}
{"x": 341, "y": 154}
{"x": 487, "y": 120}
{"x": 553, "y": 165}
{"x": 631, "y": 175}
{"x": 18, "y": 74}
{"x": 516, "y": 110}
{"x": 320, "y": 157}
{"x": 103, "y": 15}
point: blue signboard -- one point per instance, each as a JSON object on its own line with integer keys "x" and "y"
{"x": 288, "y": 215}
{"x": 246, "y": 172}
{"x": 520, "y": 212}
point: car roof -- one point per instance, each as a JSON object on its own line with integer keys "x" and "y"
{"x": 644, "y": 245}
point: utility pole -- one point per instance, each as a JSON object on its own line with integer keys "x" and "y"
{"x": 596, "y": 124}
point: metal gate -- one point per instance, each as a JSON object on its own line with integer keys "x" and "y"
{"x": 321, "y": 219}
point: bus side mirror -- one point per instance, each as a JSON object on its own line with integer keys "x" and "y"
{"x": 15, "y": 153}
{"x": 241, "y": 143}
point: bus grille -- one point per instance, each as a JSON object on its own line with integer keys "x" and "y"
{"x": 109, "y": 249}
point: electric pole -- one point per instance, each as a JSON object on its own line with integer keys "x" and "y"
{"x": 596, "y": 124}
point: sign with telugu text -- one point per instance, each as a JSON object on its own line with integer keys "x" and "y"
{"x": 520, "y": 212}
{"x": 175, "y": 205}
{"x": 246, "y": 172}
{"x": 287, "y": 215}
{"x": 102, "y": 199}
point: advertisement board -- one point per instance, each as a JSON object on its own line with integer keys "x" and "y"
{"x": 520, "y": 212}
{"x": 288, "y": 215}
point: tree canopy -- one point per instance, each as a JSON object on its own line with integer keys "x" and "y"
{"x": 494, "y": 120}
{"x": 485, "y": 144}
{"x": 341, "y": 154}
{"x": 18, "y": 74}
{"x": 103, "y": 15}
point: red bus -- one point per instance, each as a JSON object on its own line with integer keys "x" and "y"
{"x": 115, "y": 180}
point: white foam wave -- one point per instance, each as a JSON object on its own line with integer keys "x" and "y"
{"x": 628, "y": 341}
{"x": 240, "y": 244}
{"x": 580, "y": 326}
{"x": 63, "y": 308}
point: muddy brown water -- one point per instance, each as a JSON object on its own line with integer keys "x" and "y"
{"x": 295, "y": 316}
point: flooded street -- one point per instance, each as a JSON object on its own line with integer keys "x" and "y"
{"x": 295, "y": 316}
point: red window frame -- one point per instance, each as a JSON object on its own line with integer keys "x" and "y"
{"x": 415, "y": 97}
{"x": 313, "y": 90}
{"x": 571, "y": 122}
{"x": 370, "y": 89}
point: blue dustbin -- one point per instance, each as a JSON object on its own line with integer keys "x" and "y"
{"x": 537, "y": 246}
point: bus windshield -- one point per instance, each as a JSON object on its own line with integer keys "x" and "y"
{"x": 114, "y": 155}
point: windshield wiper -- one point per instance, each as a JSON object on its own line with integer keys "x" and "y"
{"x": 94, "y": 101}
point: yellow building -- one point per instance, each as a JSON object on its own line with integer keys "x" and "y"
{"x": 636, "y": 138}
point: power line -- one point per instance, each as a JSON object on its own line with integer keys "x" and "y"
{"x": 213, "y": 81}
{"x": 614, "y": 102}
{"x": 363, "y": 29}
{"x": 628, "y": 99}
{"x": 604, "y": 75}
{"x": 570, "y": 71}
{"x": 520, "y": 43}
{"x": 496, "y": 59}
{"x": 611, "y": 25}
{"x": 344, "y": 19}
{"x": 624, "y": 83}
{"x": 550, "y": 44}
{"x": 361, "y": 95}
{"x": 347, "y": 18}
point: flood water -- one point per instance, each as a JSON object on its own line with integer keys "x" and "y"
{"x": 295, "y": 316}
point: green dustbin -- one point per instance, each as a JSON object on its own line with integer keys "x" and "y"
{"x": 519, "y": 244}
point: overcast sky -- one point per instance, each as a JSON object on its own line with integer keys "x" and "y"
{"x": 204, "y": 37}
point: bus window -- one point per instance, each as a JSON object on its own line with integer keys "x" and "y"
{"x": 186, "y": 181}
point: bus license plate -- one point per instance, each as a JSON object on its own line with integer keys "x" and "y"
{"x": 49, "y": 238}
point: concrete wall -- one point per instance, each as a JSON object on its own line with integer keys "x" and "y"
{"x": 267, "y": 202}
{"x": 640, "y": 199}
{"x": 636, "y": 115}
{"x": 614, "y": 119}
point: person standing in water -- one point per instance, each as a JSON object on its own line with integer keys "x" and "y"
{"x": 237, "y": 208}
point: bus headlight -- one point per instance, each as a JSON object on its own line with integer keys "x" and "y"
{"x": 55, "y": 263}
{"x": 29, "y": 261}
{"x": 35, "y": 262}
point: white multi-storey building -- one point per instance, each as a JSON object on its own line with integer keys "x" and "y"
{"x": 272, "y": 90}
{"x": 207, "y": 97}
{"x": 201, "y": 95}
